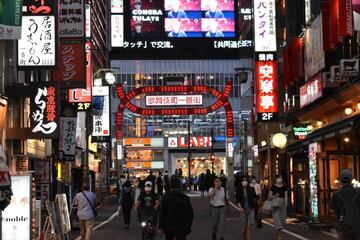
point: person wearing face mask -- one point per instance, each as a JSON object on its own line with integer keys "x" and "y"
{"x": 246, "y": 200}
{"x": 257, "y": 189}
{"x": 218, "y": 201}
{"x": 279, "y": 199}
{"x": 148, "y": 203}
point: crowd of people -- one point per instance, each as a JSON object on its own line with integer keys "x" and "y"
{"x": 164, "y": 209}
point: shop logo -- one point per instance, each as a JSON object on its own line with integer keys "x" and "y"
{"x": 172, "y": 142}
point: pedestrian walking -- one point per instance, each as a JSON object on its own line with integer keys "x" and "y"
{"x": 279, "y": 199}
{"x": 166, "y": 181}
{"x": 127, "y": 201}
{"x": 257, "y": 189}
{"x": 202, "y": 186}
{"x": 223, "y": 178}
{"x": 176, "y": 213}
{"x": 196, "y": 183}
{"x": 209, "y": 180}
{"x": 218, "y": 201}
{"x": 246, "y": 199}
{"x": 151, "y": 178}
{"x": 85, "y": 202}
{"x": 345, "y": 202}
{"x": 160, "y": 184}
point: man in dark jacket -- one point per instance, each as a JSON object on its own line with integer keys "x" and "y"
{"x": 176, "y": 213}
{"x": 209, "y": 180}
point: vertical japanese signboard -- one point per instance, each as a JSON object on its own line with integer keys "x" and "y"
{"x": 266, "y": 87}
{"x": 117, "y": 30}
{"x": 101, "y": 121}
{"x": 10, "y": 19}
{"x": 313, "y": 148}
{"x": 82, "y": 96}
{"x": 67, "y": 142}
{"x": 72, "y": 18}
{"x": 117, "y": 6}
{"x": 37, "y": 46}
{"x": 44, "y": 110}
{"x": 265, "y": 25}
{"x": 71, "y": 72}
{"x": 356, "y": 14}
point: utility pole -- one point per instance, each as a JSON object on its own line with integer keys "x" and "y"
{"x": 212, "y": 155}
{"x": 189, "y": 154}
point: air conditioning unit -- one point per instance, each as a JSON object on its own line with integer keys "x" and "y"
{"x": 349, "y": 67}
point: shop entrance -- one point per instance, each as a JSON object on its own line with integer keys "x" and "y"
{"x": 329, "y": 169}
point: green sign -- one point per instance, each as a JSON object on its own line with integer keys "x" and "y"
{"x": 10, "y": 19}
{"x": 302, "y": 131}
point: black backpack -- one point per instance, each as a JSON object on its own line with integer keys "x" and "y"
{"x": 127, "y": 198}
{"x": 349, "y": 220}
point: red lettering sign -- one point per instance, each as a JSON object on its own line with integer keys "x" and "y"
{"x": 266, "y": 87}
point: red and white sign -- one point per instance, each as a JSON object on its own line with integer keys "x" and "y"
{"x": 71, "y": 70}
{"x": 117, "y": 6}
{"x": 83, "y": 95}
{"x": 174, "y": 100}
{"x": 266, "y": 87}
{"x": 311, "y": 91}
{"x": 346, "y": 28}
{"x": 182, "y": 142}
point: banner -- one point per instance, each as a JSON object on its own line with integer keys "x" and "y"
{"x": 356, "y": 14}
{"x": 67, "y": 141}
{"x": 101, "y": 121}
{"x": 345, "y": 18}
{"x": 44, "y": 110}
{"x": 72, "y": 18}
{"x": 71, "y": 71}
{"x": 265, "y": 25}
{"x": 10, "y": 19}
{"x": 314, "y": 53}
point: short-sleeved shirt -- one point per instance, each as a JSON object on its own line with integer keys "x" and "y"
{"x": 281, "y": 190}
{"x": 218, "y": 200}
{"x": 147, "y": 201}
{"x": 85, "y": 210}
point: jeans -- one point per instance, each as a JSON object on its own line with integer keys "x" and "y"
{"x": 218, "y": 221}
{"x": 86, "y": 229}
{"x": 175, "y": 235}
{"x": 279, "y": 217}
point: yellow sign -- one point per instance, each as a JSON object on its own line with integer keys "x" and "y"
{"x": 138, "y": 165}
{"x": 137, "y": 142}
{"x": 92, "y": 146}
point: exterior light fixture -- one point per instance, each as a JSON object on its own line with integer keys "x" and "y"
{"x": 263, "y": 143}
{"x": 348, "y": 111}
{"x": 110, "y": 78}
{"x": 319, "y": 123}
{"x": 346, "y": 139}
{"x": 358, "y": 105}
{"x": 279, "y": 140}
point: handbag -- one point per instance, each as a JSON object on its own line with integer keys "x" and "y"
{"x": 277, "y": 202}
{"x": 92, "y": 207}
{"x": 267, "y": 206}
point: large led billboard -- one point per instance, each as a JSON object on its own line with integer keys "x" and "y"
{"x": 184, "y": 25}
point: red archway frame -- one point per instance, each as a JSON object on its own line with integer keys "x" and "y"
{"x": 125, "y": 102}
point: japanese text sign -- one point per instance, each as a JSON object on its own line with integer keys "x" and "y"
{"x": 72, "y": 18}
{"x": 44, "y": 110}
{"x": 101, "y": 122}
{"x": 67, "y": 142}
{"x": 37, "y": 47}
{"x": 71, "y": 70}
{"x": 266, "y": 86}
{"x": 311, "y": 91}
{"x": 265, "y": 25}
{"x": 174, "y": 100}
{"x": 117, "y": 6}
{"x": 10, "y": 19}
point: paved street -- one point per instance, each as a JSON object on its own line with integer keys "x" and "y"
{"x": 114, "y": 229}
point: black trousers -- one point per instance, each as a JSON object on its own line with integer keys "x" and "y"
{"x": 160, "y": 190}
{"x": 126, "y": 214}
{"x": 175, "y": 235}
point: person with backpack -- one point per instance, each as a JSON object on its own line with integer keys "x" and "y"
{"x": 218, "y": 201}
{"x": 345, "y": 202}
{"x": 176, "y": 213}
{"x": 127, "y": 201}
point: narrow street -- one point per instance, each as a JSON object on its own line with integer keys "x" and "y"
{"x": 114, "y": 229}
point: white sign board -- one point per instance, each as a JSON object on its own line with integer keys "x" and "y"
{"x": 101, "y": 123}
{"x": 117, "y": 6}
{"x": 117, "y": 30}
{"x": 71, "y": 18}
{"x": 174, "y": 100}
{"x": 265, "y": 25}
{"x": 36, "y": 48}
{"x": 88, "y": 20}
{"x": 67, "y": 141}
{"x": 16, "y": 219}
{"x": 120, "y": 152}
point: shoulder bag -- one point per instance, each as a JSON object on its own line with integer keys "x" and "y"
{"x": 92, "y": 207}
{"x": 267, "y": 206}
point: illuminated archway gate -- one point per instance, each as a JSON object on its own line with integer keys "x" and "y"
{"x": 222, "y": 101}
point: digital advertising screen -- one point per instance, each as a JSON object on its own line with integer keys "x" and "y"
{"x": 185, "y": 25}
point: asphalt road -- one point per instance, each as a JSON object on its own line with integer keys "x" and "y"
{"x": 113, "y": 229}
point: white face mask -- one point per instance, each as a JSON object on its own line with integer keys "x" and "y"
{"x": 253, "y": 181}
{"x": 244, "y": 183}
{"x": 148, "y": 189}
{"x": 279, "y": 180}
